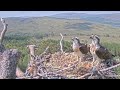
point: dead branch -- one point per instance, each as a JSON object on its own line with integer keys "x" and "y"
{"x": 32, "y": 65}
{"x": 87, "y": 74}
{"x": 19, "y": 72}
{"x": 112, "y": 75}
{"x": 110, "y": 67}
{"x": 3, "y": 31}
{"x": 61, "y": 44}
{"x": 45, "y": 50}
{"x": 32, "y": 57}
{"x": 31, "y": 51}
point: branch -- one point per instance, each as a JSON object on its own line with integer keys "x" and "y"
{"x": 61, "y": 46}
{"x": 34, "y": 57}
{"x": 19, "y": 72}
{"x": 110, "y": 67}
{"x": 112, "y": 75}
{"x": 3, "y": 31}
{"x": 45, "y": 50}
{"x": 31, "y": 51}
{"x": 87, "y": 74}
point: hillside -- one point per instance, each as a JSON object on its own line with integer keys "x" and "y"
{"x": 38, "y": 24}
{"x": 112, "y": 19}
{"x": 49, "y": 26}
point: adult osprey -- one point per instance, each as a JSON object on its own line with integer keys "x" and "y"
{"x": 98, "y": 51}
{"x": 80, "y": 49}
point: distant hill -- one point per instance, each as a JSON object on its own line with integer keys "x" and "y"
{"x": 70, "y": 15}
{"x": 112, "y": 19}
{"x": 54, "y": 26}
{"x": 43, "y": 25}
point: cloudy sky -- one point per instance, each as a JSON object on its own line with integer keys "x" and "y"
{"x": 47, "y": 13}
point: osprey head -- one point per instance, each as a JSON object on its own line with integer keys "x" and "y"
{"x": 96, "y": 39}
{"x": 76, "y": 40}
{"x": 92, "y": 36}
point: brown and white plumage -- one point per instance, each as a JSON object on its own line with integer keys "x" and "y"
{"x": 92, "y": 47}
{"x": 80, "y": 49}
{"x": 98, "y": 51}
{"x": 101, "y": 51}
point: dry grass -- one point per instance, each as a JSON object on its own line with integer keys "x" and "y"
{"x": 60, "y": 61}
{"x": 66, "y": 64}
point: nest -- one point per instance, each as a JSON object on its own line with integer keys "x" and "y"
{"x": 66, "y": 66}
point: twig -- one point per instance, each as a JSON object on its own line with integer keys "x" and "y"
{"x": 68, "y": 67}
{"x": 61, "y": 46}
{"x": 45, "y": 50}
{"x": 87, "y": 74}
{"x": 112, "y": 75}
{"x": 110, "y": 67}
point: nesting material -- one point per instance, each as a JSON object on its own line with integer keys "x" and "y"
{"x": 66, "y": 65}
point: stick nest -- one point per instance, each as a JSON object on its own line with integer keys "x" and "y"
{"x": 66, "y": 66}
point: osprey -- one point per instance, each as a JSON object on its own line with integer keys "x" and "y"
{"x": 80, "y": 49}
{"x": 98, "y": 51}
{"x": 92, "y": 49}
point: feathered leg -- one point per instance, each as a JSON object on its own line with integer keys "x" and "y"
{"x": 94, "y": 59}
{"x": 95, "y": 67}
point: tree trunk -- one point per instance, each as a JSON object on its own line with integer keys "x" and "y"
{"x": 8, "y": 63}
{"x": 2, "y": 48}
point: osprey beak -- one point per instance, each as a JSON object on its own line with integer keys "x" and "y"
{"x": 72, "y": 39}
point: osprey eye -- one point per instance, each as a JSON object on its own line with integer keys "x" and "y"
{"x": 91, "y": 38}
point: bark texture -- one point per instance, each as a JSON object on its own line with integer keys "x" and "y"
{"x": 8, "y": 63}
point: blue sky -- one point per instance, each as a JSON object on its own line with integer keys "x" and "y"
{"x": 47, "y": 13}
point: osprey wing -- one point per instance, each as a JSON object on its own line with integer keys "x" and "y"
{"x": 83, "y": 48}
{"x": 103, "y": 53}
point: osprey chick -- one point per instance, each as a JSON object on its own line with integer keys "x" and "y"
{"x": 98, "y": 51}
{"x": 80, "y": 49}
